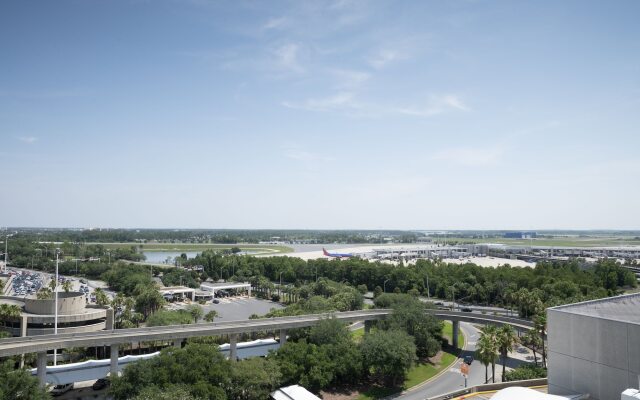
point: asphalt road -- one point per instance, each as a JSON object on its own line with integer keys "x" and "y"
{"x": 452, "y": 379}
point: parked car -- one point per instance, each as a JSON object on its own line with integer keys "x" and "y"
{"x": 466, "y": 309}
{"x": 215, "y": 301}
{"x": 101, "y": 384}
{"x": 61, "y": 389}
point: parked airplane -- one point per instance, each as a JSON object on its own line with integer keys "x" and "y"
{"x": 337, "y": 255}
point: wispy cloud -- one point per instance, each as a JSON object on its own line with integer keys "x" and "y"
{"x": 346, "y": 102}
{"x": 340, "y": 102}
{"x": 275, "y": 23}
{"x": 436, "y": 105}
{"x": 28, "y": 139}
{"x": 384, "y": 57}
{"x": 287, "y": 57}
{"x": 470, "y": 156}
{"x": 349, "y": 79}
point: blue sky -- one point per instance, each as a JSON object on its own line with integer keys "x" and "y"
{"x": 337, "y": 114}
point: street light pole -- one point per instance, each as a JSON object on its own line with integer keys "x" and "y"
{"x": 453, "y": 298}
{"x": 280, "y": 287}
{"x": 55, "y": 322}
{"x": 6, "y": 251}
{"x": 384, "y": 286}
{"x": 428, "y": 291}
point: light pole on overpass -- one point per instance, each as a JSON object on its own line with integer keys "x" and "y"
{"x": 55, "y": 322}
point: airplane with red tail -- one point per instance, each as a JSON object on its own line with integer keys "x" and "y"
{"x": 336, "y": 255}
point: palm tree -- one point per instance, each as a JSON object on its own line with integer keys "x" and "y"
{"x": 506, "y": 340}
{"x": 9, "y": 312}
{"x": 486, "y": 353}
{"x": 66, "y": 286}
{"x": 540, "y": 326}
{"x": 101, "y": 297}
{"x": 489, "y": 339}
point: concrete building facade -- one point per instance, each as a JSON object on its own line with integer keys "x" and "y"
{"x": 594, "y": 347}
{"x": 74, "y": 315}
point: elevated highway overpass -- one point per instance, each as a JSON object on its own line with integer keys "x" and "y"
{"x": 177, "y": 333}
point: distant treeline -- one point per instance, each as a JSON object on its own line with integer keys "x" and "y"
{"x": 213, "y": 236}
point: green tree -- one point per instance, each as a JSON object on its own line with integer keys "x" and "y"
{"x": 211, "y": 315}
{"x": 506, "y": 339}
{"x": 254, "y": 379}
{"x": 66, "y": 286}
{"x": 409, "y": 315}
{"x": 388, "y": 355}
{"x": 170, "y": 392}
{"x": 9, "y": 312}
{"x": 305, "y": 364}
{"x": 199, "y": 368}
{"x": 148, "y": 301}
{"x": 487, "y": 353}
{"x": 196, "y": 312}
{"x": 18, "y": 384}
{"x": 101, "y": 297}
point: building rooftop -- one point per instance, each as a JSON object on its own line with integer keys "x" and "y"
{"x": 620, "y": 308}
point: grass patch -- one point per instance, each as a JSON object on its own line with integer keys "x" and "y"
{"x": 357, "y": 335}
{"x": 423, "y": 371}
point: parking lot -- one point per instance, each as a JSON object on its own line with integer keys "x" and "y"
{"x": 234, "y": 308}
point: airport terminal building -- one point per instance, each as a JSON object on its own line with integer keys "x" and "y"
{"x": 594, "y": 347}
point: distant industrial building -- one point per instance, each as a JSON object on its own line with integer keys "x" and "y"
{"x": 594, "y": 347}
{"x": 520, "y": 235}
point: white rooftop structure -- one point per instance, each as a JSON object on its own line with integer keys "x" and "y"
{"x": 522, "y": 393}
{"x": 214, "y": 287}
{"x": 293, "y": 392}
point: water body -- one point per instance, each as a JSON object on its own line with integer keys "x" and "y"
{"x": 162, "y": 257}
{"x": 167, "y": 257}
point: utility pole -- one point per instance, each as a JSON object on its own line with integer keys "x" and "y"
{"x": 384, "y": 286}
{"x": 55, "y": 322}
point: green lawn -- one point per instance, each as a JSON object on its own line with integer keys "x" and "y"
{"x": 419, "y": 373}
{"x": 357, "y": 335}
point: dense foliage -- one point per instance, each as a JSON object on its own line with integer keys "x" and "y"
{"x": 526, "y": 371}
{"x": 18, "y": 384}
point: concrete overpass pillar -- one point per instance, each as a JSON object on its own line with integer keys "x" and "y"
{"x": 233, "y": 344}
{"x": 177, "y": 343}
{"x": 367, "y": 327}
{"x": 455, "y": 331}
{"x": 283, "y": 337}
{"x": 114, "y": 359}
{"x": 41, "y": 364}
{"x": 109, "y": 322}
{"x": 23, "y": 333}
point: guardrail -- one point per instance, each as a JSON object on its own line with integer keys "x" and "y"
{"x": 42, "y": 343}
{"x": 489, "y": 387}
